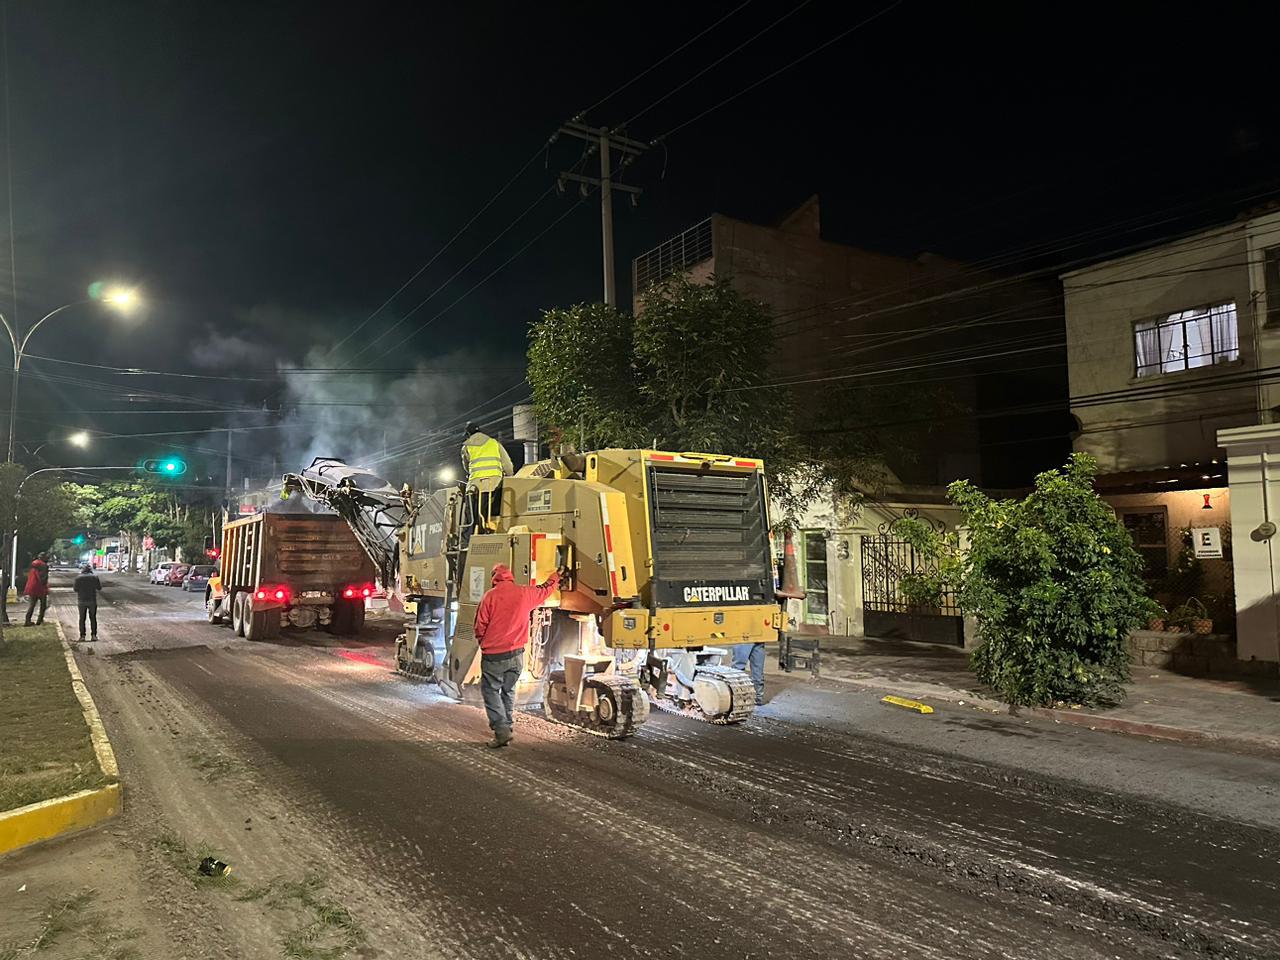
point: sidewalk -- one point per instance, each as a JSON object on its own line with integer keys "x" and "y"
{"x": 1235, "y": 714}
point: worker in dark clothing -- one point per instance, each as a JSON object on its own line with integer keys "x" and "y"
{"x": 37, "y": 589}
{"x": 87, "y": 586}
{"x": 485, "y": 462}
{"x": 502, "y": 629}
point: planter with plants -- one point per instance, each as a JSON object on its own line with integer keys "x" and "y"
{"x": 1190, "y": 617}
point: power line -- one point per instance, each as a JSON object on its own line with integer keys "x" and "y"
{"x": 483, "y": 280}
{"x": 767, "y": 77}
{"x": 721, "y": 59}
{"x": 657, "y": 63}
{"x": 452, "y": 240}
{"x": 427, "y": 299}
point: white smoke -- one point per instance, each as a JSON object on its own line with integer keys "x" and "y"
{"x": 403, "y": 423}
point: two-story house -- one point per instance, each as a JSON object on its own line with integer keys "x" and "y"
{"x": 1171, "y": 350}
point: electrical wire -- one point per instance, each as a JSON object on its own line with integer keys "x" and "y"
{"x": 785, "y": 67}
{"x": 657, "y": 63}
{"x": 719, "y": 60}
{"x": 429, "y": 297}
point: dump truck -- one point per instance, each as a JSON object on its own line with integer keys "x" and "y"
{"x": 291, "y": 570}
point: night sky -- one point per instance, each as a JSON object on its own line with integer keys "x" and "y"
{"x": 268, "y": 174}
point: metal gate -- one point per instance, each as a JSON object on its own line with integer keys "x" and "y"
{"x": 887, "y": 560}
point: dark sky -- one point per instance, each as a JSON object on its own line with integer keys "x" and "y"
{"x": 268, "y": 174}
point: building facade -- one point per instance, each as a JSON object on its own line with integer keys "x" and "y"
{"x": 1172, "y": 354}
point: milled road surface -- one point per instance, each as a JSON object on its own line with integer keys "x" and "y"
{"x": 824, "y": 827}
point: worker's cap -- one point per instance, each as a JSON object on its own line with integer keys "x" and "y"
{"x": 501, "y": 572}
{"x": 86, "y": 569}
{"x": 472, "y": 428}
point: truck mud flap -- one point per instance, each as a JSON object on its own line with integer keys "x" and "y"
{"x": 799, "y": 653}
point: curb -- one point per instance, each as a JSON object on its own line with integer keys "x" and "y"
{"x": 922, "y": 690}
{"x": 77, "y": 811}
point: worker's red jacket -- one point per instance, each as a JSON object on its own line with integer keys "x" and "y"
{"x": 38, "y": 579}
{"x": 502, "y": 619}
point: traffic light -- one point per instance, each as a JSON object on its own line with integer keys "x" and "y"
{"x": 210, "y": 550}
{"x": 78, "y": 539}
{"x": 165, "y": 467}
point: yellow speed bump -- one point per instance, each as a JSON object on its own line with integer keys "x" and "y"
{"x": 915, "y": 705}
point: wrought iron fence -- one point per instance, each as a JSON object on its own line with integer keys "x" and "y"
{"x": 888, "y": 560}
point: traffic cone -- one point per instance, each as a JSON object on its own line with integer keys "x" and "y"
{"x": 790, "y": 589}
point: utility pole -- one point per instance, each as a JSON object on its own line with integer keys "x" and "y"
{"x": 228, "y": 469}
{"x": 605, "y": 142}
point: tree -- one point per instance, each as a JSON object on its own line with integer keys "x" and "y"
{"x": 47, "y": 509}
{"x": 1053, "y": 580}
{"x": 690, "y": 371}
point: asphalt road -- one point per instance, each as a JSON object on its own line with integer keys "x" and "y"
{"x": 823, "y": 827}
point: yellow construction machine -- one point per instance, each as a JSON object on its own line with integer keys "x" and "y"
{"x": 669, "y": 562}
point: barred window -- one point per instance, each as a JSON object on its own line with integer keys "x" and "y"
{"x": 1185, "y": 340}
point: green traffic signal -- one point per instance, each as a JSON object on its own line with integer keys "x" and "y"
{"x": 165, "y": 467}
{"x": 78, "y": 539}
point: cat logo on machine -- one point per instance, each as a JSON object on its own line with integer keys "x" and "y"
{"x": 723, "y": 594}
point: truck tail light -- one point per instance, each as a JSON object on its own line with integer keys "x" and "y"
{"x": 357, "y": 590}
{"x": 270, "y": 592}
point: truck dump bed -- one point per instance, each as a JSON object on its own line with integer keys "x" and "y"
{"x": 302, "y": 551}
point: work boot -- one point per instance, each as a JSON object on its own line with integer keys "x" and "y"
{"x": 501, "y": 737}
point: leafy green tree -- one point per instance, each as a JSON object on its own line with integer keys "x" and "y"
{"x": 47, "y": 510}
{"x": 1053, "y": 580}
{"x": 691, "y": 371}
{"x": 586, "y": 385}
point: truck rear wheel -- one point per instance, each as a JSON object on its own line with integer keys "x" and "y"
{"x": 260, "y": 624}
{"x": 237, "y": 613}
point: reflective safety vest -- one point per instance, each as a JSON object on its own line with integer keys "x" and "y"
{"x": 215, "y": 586}
{"x": 484, "y": 461}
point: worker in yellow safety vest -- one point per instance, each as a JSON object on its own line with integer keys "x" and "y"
{"x": 485, "y": 463}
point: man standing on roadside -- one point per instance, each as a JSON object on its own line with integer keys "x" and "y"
{"x": 502, "y": 629}
{"x": 37, "y": 590}
{"x": 87, "y": 586}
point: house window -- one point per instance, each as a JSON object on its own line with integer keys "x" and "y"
{"x": 1186, "y": 340}
{"x": 1149, "y": 530}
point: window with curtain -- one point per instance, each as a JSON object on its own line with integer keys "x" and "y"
{"x": 1185, "y": 340}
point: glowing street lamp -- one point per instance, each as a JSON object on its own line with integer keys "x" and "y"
{"x": 80, "y": 439}
{"x": 119, "y": 298}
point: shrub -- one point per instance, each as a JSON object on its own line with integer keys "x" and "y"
{"x": 1053, "y": 581}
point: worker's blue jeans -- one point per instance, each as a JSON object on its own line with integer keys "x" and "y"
{"x": 751, "y": 655}
{"x": 498, "y": 675}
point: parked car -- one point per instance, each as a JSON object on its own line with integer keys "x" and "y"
{"x": 160, "y": 574}
{"x": 197, "y": 577}
{"x": 177, "y": 574}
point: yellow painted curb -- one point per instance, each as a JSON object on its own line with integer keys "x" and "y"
{"x": 52, "y": 818}
{"x": 97, "y": 732}
{"x": 915, "y": 705}
{"x": 76, "y": 811}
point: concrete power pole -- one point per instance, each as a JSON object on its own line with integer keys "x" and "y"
{"x": 605, "y": 142}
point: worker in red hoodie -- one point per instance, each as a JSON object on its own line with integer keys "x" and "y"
{"x": 502, "y": 628}
{"x": 37, "y": 589}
